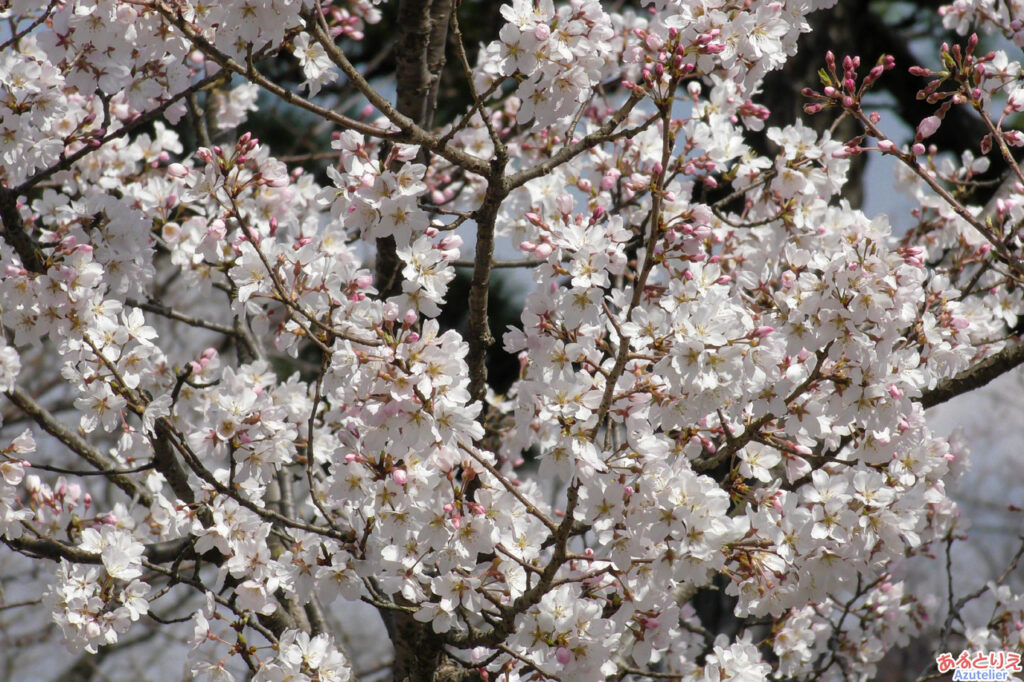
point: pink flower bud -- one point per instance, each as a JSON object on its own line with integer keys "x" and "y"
{"x": 217, "y": 230}
{"x": 563, "y": 655}
{"x": 177, "y": 170}
{"x": 927, "y": 127}
{"x": 399, "y": 476}
{"x": 564, "y": 203}
{"x": 410, "y": 317}
{"x": 452, "y": 241}
{"x": 701, "y": 214}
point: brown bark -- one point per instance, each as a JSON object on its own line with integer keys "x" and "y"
{"x": 977, "y": 375}
{"x": 419, "y": 61}
{"x": 14, "y": 233}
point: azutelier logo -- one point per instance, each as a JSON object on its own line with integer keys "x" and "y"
{"x": 979, "y": 666}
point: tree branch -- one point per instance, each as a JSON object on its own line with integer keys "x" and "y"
{"x": 977, "y": 376}
{"x": 76, "y": 443}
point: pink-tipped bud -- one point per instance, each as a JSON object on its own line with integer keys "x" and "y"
{"x": 564, "y": 203}
{"x": 927, "y": 127}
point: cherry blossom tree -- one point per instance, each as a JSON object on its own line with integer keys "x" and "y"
{"x": 232, "y": 415}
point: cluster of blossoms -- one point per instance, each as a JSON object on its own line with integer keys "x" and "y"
{"x": 723, "y": 366}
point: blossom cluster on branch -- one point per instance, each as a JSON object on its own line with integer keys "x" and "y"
{"x": 724, "y": 366}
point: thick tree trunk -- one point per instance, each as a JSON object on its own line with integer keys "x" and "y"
{"x": 418, "y": 650}
{"x": 419, "y": 61}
